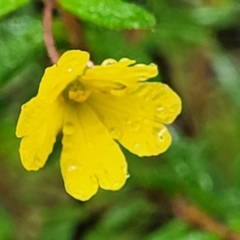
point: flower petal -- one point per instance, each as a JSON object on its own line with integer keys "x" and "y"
{"x": 119, "y": 73}
{"x": 135, "y": 116}
{"x": 70, "y": 66}
{"x": 38, "y": 124}
{"x": 89, "y": 156}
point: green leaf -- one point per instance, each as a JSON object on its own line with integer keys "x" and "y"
{"x": 112, "y": 14}
{"x": 7, "y": 6}
{"x": 21, "y": 42}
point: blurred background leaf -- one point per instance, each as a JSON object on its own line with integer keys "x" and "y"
{"x": 7, "y": 6}
{"x": 113, "y": 14}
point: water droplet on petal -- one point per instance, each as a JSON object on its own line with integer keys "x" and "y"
{"x": 160, "y": 108}
{"x": 161, "y": 134}
{"x": 156, "y": 97}
{"x": 124, "y": 60}
{"x": 68, "y": 128}
{"x": 141, "y": 91}
{"x": 135, "y": 126}
{"x": 128, "y": 176}
{"x": 115, "y": 133}
{"x": 37, "y": 161}
{"x": 108, "y": 61}
{"x": 72, "y": 168}
{"x": 69, "y": 69}
{"x": 128, "y": 120}
{"x": 136, "y": 146}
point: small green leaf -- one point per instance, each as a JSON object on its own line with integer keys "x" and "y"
{"x": 7, "y": 6}
{"x": 112, "y": 14}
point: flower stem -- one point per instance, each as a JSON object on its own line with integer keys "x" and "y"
{"x": 47, "y": 28}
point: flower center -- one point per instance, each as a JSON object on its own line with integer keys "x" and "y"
{"x": 76, "y": 92}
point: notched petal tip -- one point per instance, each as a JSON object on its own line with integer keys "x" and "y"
{"x": 79, "y": 181}
{"x": 30, "y": 161}
{"x": 112, "y": 178}
{"x": 78, "y": 193}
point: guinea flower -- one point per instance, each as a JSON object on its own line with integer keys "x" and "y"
{"x": 94, "y": 108}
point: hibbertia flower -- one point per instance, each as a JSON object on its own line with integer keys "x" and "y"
{"x": 95, "y": 108}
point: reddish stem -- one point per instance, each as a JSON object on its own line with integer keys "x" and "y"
{"x": 47, "y": 28}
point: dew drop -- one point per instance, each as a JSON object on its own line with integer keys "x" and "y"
{"x": 141, "y": 91}
{"x": 135, "y": 126}
{"x": 108, "y": 61}
{"x": 156, "y": 97}
{"x": 136, "y": 146}
{"x": 72, "y": 168}
{"x": 128, "y": 120}
{"x": 68, "y": 128}
{"x": 124, "y": 60}
{"x": 115, "y": 133}
{"x": 37, "y": 161}
{"x": 161, "y": 134}
{"x": 160, "y": 108}
{"x": 128, "y": 176}
{"x": 24, "y": 106}
{"x": 69, "y": 70}
{"x": 118, "y": 92}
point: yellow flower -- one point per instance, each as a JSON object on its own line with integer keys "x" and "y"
{"x": 92, "y": 107}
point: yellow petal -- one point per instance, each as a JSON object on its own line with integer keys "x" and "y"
{"x": 118, "y": 73}
{"x": 89, "y": 156}
{"x": 38, "y": 124}
{"x": 135, "y": 116}
{"x": 69, "y": 67}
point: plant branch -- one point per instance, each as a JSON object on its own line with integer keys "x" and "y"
{"x": 197, "y": 218}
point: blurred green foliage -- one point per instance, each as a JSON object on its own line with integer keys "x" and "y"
{"x": 113, "y": 14}
{"x": 196, "y": 46}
